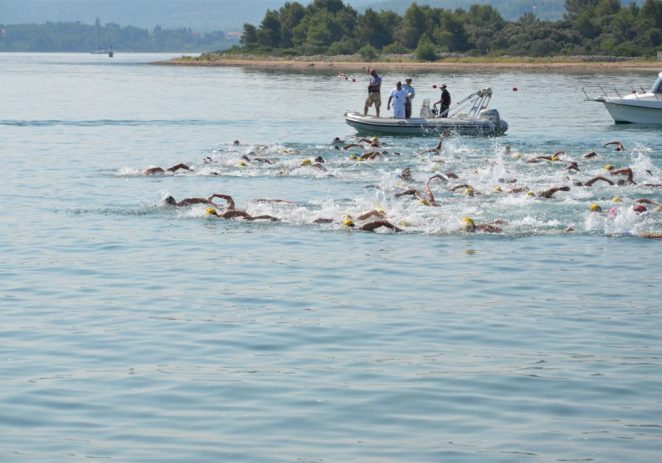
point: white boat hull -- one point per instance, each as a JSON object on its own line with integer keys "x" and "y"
{"x": 634, "y": 111}
{"x": 422, "y": 126}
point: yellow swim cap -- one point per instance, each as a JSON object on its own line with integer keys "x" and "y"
{"x": 354, "y": 156}
{"x": 347, "y": 221}
{"x": 469, "y": 223}
{"x": 554, "y": 158}
{"x": 608, "y": 167}
{"x": 211, "y": 211}
{"x": 497, "y": 189}
{"x": 374, "y": 139}
{"x": 241, "y": 164}
{"x": 307, "y": 162}
{"x": 423, "y": 201}
{"x": 530, "y": 193}
{"x": 469, "y": 191}
{"x": 594, "y": 208}
{"x": 616, "y": 199}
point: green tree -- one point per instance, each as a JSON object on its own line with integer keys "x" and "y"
{"x": 290, "y": 15}
{"x": 268, "y": 34}
{"x": 425, "y": 50}
{"x": 249, "y": 36}
{"x": 371, "y": 30}
{"x": 413, "y": 27}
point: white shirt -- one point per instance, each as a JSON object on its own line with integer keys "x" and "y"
{"x": 398, "y": 97}
{"x": 410, "y": 90}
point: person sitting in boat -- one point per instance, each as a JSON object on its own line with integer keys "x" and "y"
{"x": 398, "y": 97}
{"x": 444, "y": 101}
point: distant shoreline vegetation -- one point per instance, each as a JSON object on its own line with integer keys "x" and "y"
{"x": 329, "y": 27}
{"x": 78, "y": 37}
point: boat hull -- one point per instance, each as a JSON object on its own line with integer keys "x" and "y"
{"x": 634, "y": 112}
{"x": 424, "y": 127}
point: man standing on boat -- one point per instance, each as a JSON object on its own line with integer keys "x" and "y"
{"x": 374, "y": 95}
{"x": 398, "y": 96}
{"x": 445, "y": 102}
{"x": 409, "y": 88}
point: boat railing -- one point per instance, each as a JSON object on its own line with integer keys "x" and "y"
{"x": 469, "y": 107}
{"x": 604, "y": 91}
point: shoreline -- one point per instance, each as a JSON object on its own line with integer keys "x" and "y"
{"x": 475, "y": 65}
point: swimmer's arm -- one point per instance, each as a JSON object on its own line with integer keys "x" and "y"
{"x": 372, "y": 213}
{"x": 462, "y": 185}
{"x": 266, "y": 200}
{"x": 227, "y": 198}
{"x": 409, "y": 192}
{"x": 372, "y": 226}
{"x": 595, "y": 179}
{"x": 176, "y": 167}
{"x": 190, "y": 201}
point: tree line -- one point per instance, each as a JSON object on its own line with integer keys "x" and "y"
{"x": 78, "y": 37}
{"x": 589, "y": 27}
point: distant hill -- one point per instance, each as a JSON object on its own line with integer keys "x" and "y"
{"x": 199, "y": 15}
{"x": 226, "y": 15}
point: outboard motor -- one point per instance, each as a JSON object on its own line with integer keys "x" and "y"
{"x": 493, "y": 116}
{"x": 425, "y": 109}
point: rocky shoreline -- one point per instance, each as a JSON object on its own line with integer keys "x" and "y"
{"x": 351, "y": 63}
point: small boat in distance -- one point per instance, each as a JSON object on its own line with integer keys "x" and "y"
{"x": 470, "y": 116}
{"x": 633, "y": 106}
{"x": 102, "y": 51}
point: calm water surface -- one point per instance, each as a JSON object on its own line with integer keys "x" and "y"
{"x": 134, "y": 332}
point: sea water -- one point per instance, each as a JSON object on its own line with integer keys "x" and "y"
{"x": 136, "y": 332}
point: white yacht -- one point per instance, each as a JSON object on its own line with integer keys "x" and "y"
{"x": 468, "y": 117}
{"x": 636, "y": 106}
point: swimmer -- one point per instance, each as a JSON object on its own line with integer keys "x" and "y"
{"x": 468, "y": 189}
{"x": 236, "y": 143}
{"x": 658, "y": 206}
{"x": 372, "y": 142}
{"x": 573, "y": 166}
{"x": 597, "y": 178}
{"x": 171, "y": 201}
{"x": 549, "y": 193}
{"x": 232, "y": 214}
{"x": 619, "y": 146}
{"x": 370, "y": 156}
{"x": 228, "y": 199}
{"x": 337, "y": 141}
{"x": 624, "y": 171}
{"x": 437, "y": 147}
{"x": 275, "y": 201}
{"x": 652, "y": 236}
{"x": 348, "y": 221}
{"x": 406, "y": 175}
{"x": 553, "y": 157}
{"x": 590, "y": 155}
{"x": 160, "y": 170}
{"x": 316, "y": 165}
{"x": 431, "y": 201}
{"x": 471, "y": 227}
{"x": 352, "y": 145}
{"x": 320, "y": 159}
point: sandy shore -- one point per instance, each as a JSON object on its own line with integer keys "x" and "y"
{"x": 476, "y": 65}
